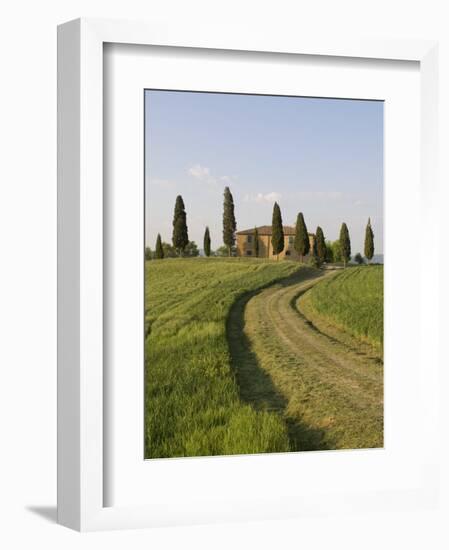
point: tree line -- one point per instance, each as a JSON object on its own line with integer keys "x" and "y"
{"x": 323, "y": 251}
{"x": 182, "y": 247}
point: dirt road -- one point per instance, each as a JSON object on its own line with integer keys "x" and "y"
{"x": 327, "y": 386}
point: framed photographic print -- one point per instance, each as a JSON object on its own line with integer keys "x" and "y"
{"x": 234, "y": 336}
{"x": 261, "y": 335}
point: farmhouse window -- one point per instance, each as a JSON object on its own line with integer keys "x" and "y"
{"x": 249, "y": 252}
{"x": 249, "y": 239}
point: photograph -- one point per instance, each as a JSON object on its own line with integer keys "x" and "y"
{"x": 264, "y": 284}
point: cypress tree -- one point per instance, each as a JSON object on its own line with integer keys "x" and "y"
{"x": 159, "y": 249}
{"x": 302, "y": 243}
{"x": 229, "y": 224}
{"x": 320, "y": 245}
{"x": 256, "y": 242}
{"x": 329, "y": 252}
{"x": 207, "y": 242}
{"x": 369, "y": 241}
{"x": 345, "y": 244}
{"x": 180, "y": 236}
{"x": 277, "y": 231}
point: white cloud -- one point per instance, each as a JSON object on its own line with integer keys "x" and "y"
{"x": 268, "y": 197}
{"x": 199, "y": 172}
{"x": 262, "y": 198}
{"x": 203, "y": 175}
{"x": 331, "y": 195}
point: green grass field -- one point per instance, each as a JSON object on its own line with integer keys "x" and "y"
{"x": 251, "y": 356}
{"x": 192, "y": 403}
{"x": 353, "y": 301}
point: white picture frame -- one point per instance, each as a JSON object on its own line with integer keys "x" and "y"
{"x": 81, "y": 386}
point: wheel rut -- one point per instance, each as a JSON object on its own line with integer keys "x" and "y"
{"x": 329, "y": 392}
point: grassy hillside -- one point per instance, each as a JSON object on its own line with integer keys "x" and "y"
{"x": 192, "y": 404}
{"x": 351, "y": 300}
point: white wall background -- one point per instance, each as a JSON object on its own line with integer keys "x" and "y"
{"x": 28, "y": 268}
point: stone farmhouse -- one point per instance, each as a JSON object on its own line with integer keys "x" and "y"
{"x": 245, "y": 243}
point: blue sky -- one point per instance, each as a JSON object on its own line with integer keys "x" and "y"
{"x": 322, "y": 157}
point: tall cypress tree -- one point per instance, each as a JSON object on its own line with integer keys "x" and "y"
{"x": 180, "y": 236}
{"x": 302, "y": 243}
{"x": 277, "y": 231}
{"x": 345, "y": 244}
{"x": 159, "y": 249}
{"x": 207, "y": 242}
{"x": 256, "y": 242}
{"x": 229, "y": 224}
{"x": 369, "y": 241}
{"x": 320, "y": 245}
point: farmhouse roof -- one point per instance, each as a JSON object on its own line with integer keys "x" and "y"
{"x": 267, "y": 230}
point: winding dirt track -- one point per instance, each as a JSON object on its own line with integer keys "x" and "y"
{"x": 328, "y": 387}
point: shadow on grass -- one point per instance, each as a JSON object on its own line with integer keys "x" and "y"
{"x": 255, "y": 385}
